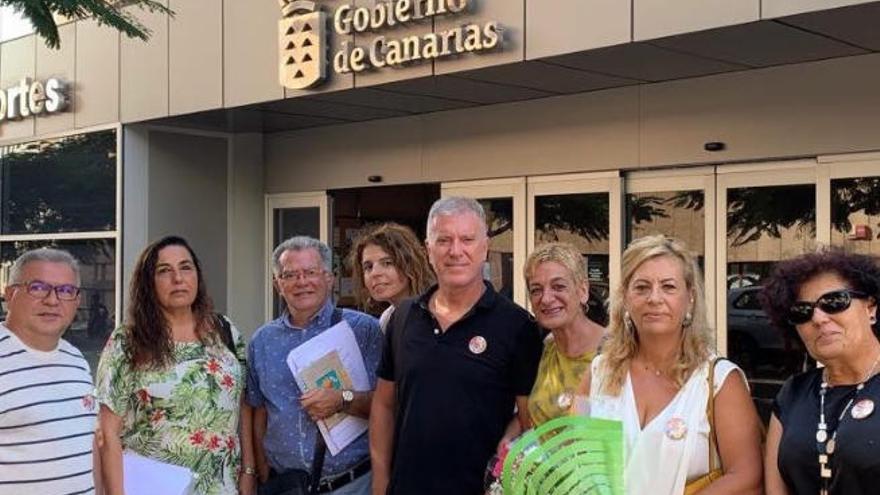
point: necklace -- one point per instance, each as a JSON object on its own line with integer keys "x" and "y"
{"x": 652, "y": 370}
{"x": 824, "y": 445}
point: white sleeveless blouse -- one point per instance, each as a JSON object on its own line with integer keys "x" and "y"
{"x": 658, "y": 462}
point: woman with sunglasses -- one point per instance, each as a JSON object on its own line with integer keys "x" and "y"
{"x": 824, "y": 434}
{"x": 171, "y": 378}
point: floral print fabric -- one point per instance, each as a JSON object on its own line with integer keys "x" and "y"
{"x": 185, "y": 414}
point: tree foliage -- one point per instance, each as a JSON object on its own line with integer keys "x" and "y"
{"x": 851, "y": 195}
{"x": 60, "y": 185}
{"x": 583, "y": 214}
{"x": 42, "y": 15}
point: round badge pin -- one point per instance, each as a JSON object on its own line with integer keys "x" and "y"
{"x": 862, "y": 409}
{"x": 564, "y": 400}
{"x": 477, "y": 345}
{"x": 676, "y": 428}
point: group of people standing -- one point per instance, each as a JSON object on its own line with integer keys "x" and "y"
{"x": 455, "y": 370}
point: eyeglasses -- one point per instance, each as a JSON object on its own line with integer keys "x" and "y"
{"x": 40, "y": 290}
{"x": 833, "y": 302}
{"x": 310, "y": 274}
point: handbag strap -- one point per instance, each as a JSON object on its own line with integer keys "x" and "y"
{"x": 710, "y": 413}
{"x": 320, "y": 445}
{"x": 317, "y": 462}
{"x": 225, "y": 332}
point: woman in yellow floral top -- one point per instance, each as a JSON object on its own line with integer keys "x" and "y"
{"x": 556, "y": 279}
{"x": 170, "y": 380}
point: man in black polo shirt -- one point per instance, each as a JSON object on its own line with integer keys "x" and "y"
{"x": 456, "y": 361}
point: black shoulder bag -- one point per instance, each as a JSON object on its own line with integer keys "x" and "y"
{"x": 397, "y": 326}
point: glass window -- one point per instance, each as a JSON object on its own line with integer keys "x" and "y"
{"x": 59, "y": 185}
{"x": 855, "y": 214}
{"x": 675, "y": 214}
{"x": 96, "y": 315}
{"x": 499, "y": 262}
{"x": 582, "y": 220}
{"x": 764, "y": 225}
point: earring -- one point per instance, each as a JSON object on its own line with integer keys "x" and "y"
{"x": 873, "y": 319}
{"x": 628, "y": 323}
{"x": 688, "y": 320}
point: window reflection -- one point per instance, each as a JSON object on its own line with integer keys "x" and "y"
{"x": 59, "y": 185}
{"x": 582, "y": 220}
{"x": 855, "y": 214}
{"x": 764, "y": 225}
{"x": 96, "y": 316}
{"x": 499, "y": 262}
{"x": 675, "y": 214}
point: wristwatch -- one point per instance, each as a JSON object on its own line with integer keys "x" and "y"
{"x": 347, "y": 399}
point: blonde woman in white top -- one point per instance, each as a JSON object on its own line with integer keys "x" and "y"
{"x": 388, "y": 264}
{"x": 653, "y": 376}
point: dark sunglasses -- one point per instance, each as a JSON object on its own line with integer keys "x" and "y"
{"x": 831, "y": 303}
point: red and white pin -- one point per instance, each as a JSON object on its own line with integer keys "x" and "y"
{"x": 477, "y": 345}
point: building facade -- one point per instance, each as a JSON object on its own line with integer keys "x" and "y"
{"x": 746, "y": 128}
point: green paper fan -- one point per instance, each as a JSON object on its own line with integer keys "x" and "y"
{"x": 567, "y": 455}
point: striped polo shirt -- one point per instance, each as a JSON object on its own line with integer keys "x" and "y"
{"x": 47, "y": 419}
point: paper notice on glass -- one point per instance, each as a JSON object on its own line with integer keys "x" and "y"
{"x": 145, "y": 476}
{"x": 332, "y": 360}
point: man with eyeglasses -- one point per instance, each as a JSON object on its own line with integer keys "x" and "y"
{"x": 47, "y": 411}
{"x": 284, "y": 416}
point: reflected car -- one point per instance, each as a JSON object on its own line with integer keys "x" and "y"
{"x": 738, "y": 280}
{"x": 754, "y": 343}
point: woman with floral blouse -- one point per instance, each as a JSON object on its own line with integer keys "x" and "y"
{"x": 170, "y": 379}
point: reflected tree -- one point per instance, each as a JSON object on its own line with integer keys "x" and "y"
{"x": 499, "y": 215}
{"x": 852, "y": 195}
{"x": 641, "y": 209}
{"x": 61, "y": 185}
{"x": 583, "y": 214}
{"x": 756, "y": 211}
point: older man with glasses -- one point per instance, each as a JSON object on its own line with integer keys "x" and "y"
{"x": 286, "y": 442}
{"x": 47, "y": 411}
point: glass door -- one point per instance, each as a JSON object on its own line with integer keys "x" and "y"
{"x": 586, "y": 211}
{"x": 767, "y": 213}
{"x": 850, "y": 186}
{"x": 504, "y": 202}
{"x": 288, "y": 215}
{"x": 679, "y": 204}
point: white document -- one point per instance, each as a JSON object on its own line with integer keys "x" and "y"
{"x": 332, "y": 360}
{"x": 145, "y": 476}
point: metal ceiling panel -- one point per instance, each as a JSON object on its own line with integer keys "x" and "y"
{"x": 466, "y": 90}
{"x": 855, "y": 25}
{"x": 378, "y": 98}
{"x": 547, "y": 77}
{"x": 643, "y": 62}
{"x": 759, "y": 44}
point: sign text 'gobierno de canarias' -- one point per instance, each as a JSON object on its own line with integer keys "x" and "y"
{"x": 303, "y": 37}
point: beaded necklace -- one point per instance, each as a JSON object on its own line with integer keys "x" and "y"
{"x": 824, "y": 445}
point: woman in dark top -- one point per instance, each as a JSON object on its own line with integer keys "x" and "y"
{"x": 824, "y": 435}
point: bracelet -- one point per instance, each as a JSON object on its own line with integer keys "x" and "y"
{"x": 249, "y": 470}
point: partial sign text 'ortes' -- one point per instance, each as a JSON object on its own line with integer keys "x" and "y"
{"x": 33, "y": 98}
